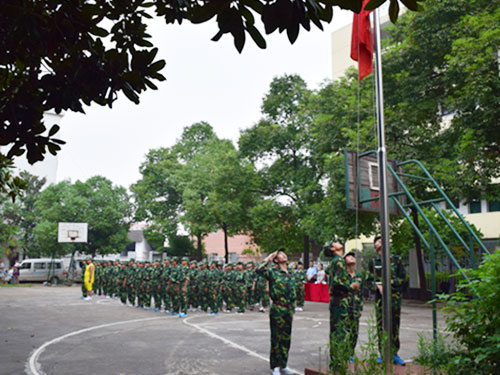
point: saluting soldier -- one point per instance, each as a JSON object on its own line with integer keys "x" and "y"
{"x": 398, "y": 277}
{"x": 283, "y": 293}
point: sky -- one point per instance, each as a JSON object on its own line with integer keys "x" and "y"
{"x": 206, "y": 81}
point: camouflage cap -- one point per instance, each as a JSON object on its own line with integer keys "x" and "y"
{"x": 132, "y": 260}
{"x": 213, "y": 261}
{"x": 193, "y": 262}
{"x": 185, "y": 259}
{"x": 167, "y": 259}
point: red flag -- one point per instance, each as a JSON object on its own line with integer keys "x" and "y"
{"x": 362, "y": 42}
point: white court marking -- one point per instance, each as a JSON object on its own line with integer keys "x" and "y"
{"x": 34, "y": 368}
{"x": 229, "y": 342}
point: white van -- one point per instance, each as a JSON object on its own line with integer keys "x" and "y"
{"x": 43, "y": 269}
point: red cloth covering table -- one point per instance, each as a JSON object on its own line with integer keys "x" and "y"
{"x": 317, "y": 293}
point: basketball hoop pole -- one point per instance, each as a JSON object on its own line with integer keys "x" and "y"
{"x": 383, "y": 198}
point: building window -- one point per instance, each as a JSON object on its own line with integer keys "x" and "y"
{"x": 455, "y": 202}
{"x": 493, "y": 206}
{"x": 475, "y": 206}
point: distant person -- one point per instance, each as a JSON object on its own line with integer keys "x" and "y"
{"x": 88, "y": 278}
{"x": 321, "y": 277}
{"x": 283, "y": 294}
{"x": 398, "y": 276}
{"x": 311, "y": 273}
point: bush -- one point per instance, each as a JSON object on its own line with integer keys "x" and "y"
{"x": 473, "y": 317}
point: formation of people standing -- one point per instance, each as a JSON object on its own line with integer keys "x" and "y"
{"x": 178, "y": 286}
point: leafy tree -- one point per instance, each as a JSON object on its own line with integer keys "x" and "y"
{"x": 181, "y": 246}
{"x": 156, "y": 195}
{"x": 279, "y": 145}
{"x": 340, "y": 122}
{"x": 106, "y": 209}
{"x": 58, "y": 55}
{"x": 21, "y": 214}
{"x": 444, "y": 61}
{"x": 475, "y": 322}
{"x": 168, "y": 194}
{"x": 222, "y": 185}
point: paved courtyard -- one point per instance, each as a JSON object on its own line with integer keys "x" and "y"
{"x": 50, "y": 330}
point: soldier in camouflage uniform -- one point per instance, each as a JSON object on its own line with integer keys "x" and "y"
{"x": 398, "y": 277}
{"x": 300, "y": 280}
{"x": 356, "y": 301}
{"x": 165, "y": 279}
{"x": 213, "y": 288}
{"x": 129, "y": 282}
{"x": 340, "y": 287}
{"x": 262, "y": 292}
{"x": 240, "y": 286}
{"x": 193, "y": 292}
{"x": 227, "y": 287}
{"x": 122, "y": 282}
{"x": 138, "y": 277}
{"x": 97, "y": 285}
{"x": 156, "y": 285}
{"x": 283, "y": 293}
{"x": 177, "y": 289}
{"x": 84, "y": 288}
{"x": 147, "y": 284}
{"x": 203, "y": 279}
{"x": 251, "y": 277}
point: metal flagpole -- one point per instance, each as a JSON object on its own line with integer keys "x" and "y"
{"x": 384, "y": 204}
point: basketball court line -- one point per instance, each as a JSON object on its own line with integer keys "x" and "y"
{"x": 34, "y": 368}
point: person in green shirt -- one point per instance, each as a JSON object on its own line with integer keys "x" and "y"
{"x": 282, "y": 289}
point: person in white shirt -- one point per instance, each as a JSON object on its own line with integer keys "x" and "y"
{"x": 312, "y": 273}
{"x": 321, "y": 277}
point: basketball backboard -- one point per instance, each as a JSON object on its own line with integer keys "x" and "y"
{"x": 72, "y": 232}
{"x": 362, "y": 182}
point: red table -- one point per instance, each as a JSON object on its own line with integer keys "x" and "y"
{"x": 317, "y": 293}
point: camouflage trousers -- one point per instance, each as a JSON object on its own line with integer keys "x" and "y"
{"x": 167, "y": 301}
{"x": 123, "y": 294}
{"x": 131, "y": 294}
{"x": 396, "y": 319}
{"x": 339, "y": 329}
{"x": 240, "y": 296}
{"x": 84, "y": 289}
{"x": 300, "y": 294}
{"x": 280, "y": 319}
{"x": 157, "y": 297}
{"x": 179, "y": 299}
{"x": 261, "y": 293}
{"x": 227, "y": 293}
{"x": 145, "y": 295}
{"x": 353, "y": 327}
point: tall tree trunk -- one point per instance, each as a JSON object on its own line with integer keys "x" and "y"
{"x": 226, "y": 248}
{"x": 199, "y": 246}
{"x": 420, "y": 258}
{"x": 306, "y": 251}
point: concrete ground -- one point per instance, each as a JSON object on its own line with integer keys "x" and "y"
{"x": 50, "y": 330}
